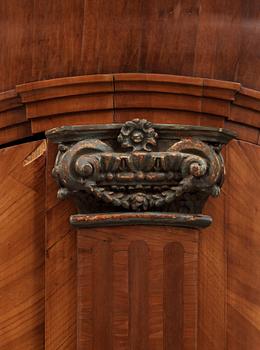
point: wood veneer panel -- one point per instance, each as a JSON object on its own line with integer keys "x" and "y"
{"x": 22, "y": 247}
{"x": 60, "y": 267}
{"x": 212, "y": 279}
{"x": 50, "y": 39}
{"x": 138, "y": 266}
{"x": 217, "y": 43}
{"x": 212, "y": 276}
{"x": 243, "y": 239}
{"x": 249, "y": 13}
{"x": 61, "y": 295}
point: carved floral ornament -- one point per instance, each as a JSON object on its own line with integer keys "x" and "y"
{"x": 139, "y": 135}
{"x": 136, "y": 171}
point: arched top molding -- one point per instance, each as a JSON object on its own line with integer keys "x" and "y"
{"x": 92, "y": 99}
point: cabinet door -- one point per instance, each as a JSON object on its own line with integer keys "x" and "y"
{"x": 22, "y": 179}
{"x": 243, "y": 246}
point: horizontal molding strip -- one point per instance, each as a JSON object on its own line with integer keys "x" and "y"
{"x": 34, "y": 107}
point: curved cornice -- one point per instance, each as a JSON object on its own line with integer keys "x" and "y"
{"x": 38, "y": 106}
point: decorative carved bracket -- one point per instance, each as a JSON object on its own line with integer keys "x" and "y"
{"x": 139, "y": 172}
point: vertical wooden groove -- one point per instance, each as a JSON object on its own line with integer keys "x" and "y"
{"x": 138, "y": 295}
{"x": 103, "y": 296}
{"x": 156, "y": 295}
{"x": 173, "y": 296}
{"x": 120, "y": 300}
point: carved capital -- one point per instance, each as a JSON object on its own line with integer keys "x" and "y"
{"x": 139, "y": 168}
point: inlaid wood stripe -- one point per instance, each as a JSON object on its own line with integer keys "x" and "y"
{"x": 173, "y": 296}
{"x": 156, "y": 294}
{"x": 120, "y": 299}
{"x": 138, "y": 295}
{"x": 102, "y": 286}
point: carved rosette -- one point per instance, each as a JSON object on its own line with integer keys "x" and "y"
{"x": 137, "y": 135}
{"x": 139, "y": 168}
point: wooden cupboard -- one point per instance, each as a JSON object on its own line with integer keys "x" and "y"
{"x": 127, "y": 287}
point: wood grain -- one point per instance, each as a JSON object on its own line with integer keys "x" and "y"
{"x": 60, "y": 267}
{"x": 156, "y": 297}
{"x": 198, "y": 39}
{"x": 103, "y": 294}
{"x": 244, "y": 132}
{"x": 121, "y": 299}
{"x": 212, "y": 277}
{"x": 70, "y": 104}
{"x": 141, "y": 277}
{"x": 41, "y": 105}
{"x": 12, "y": 117}
{"x": 243, "y": 302}
{"x": 173, "y": 296}
{"x": 85, "y": 292}
{"x": 138, "y": 295}
{"x": 15, "y": 132}
{"x": 96, "y": 117}
{"x": 22, "y": 248}
{"x": 50, "y": 39}
{"x": 245, "y": 116}
{"x": 38, "y": 106}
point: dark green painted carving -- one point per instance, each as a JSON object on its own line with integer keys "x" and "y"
{"x": 139, "y": 167}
